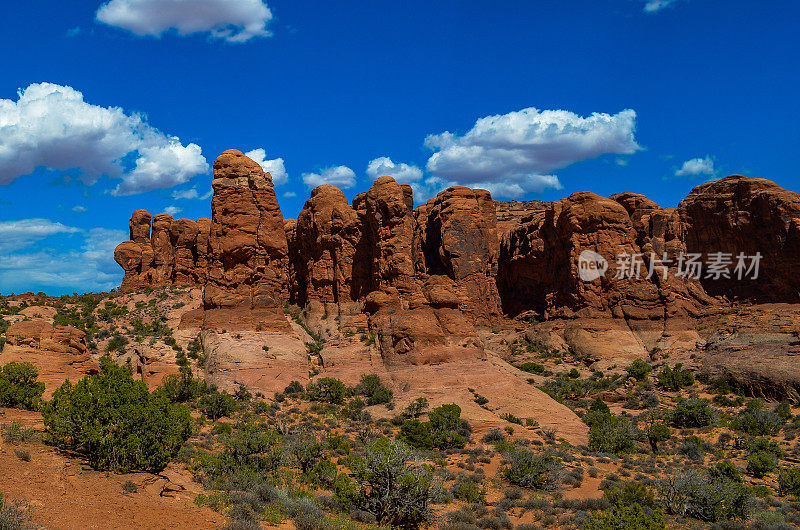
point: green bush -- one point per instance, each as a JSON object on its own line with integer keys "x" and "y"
{"x": 115, "y": 421}
{"x": 532, "y": 368}
{"x": 530, "y": 470}
{"x": 184, "y": 387}
{"x": 759, "y": 463}
{"x": 117, "y": 343}
{"x": 673, "y": 379}
{"x": 217, "y": 404}
{"x": 249, "y": 453}
{"x": 18, "y": 386}
{"x": 467, "y": 489}
{"x": 705, "y": 496}
{"x": 390, "y": 484}
{"x": 610, "y": 434}
{"x": 327, "y": 390}
{"x": 632, "y": 517}
{"x": 693, "y": 412}
{"x": 638, "y": 369}
{"x": 293, "y": 388}
{"x": 444, "y": 429}
{"x": 372, "y": 388}
{"x": 756, "y": 420}
{"x": 789, "y": 482}
{"x": 657, "y": 433}
{"x": 14, "y": 516}
{"x": 630, "y": 493}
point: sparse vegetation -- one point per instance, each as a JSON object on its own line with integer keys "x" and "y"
{"x": 115, "y": 421}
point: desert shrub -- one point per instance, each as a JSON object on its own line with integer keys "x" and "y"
{"x": 610, "y": 434}
{"x": 789, "y": 482}
{"x": 532, "y": 368}
{"x": 416, "y": 408}
{"x": 445, "y": 429}
{"x": 372, "y": 388}
{"x": 759, "y": 463}
{"x": 15, "y": 433}
{"x": 249, "y": 452}
{"x": 495, "y": 435}
{"x": 327, "y": 390}
{"x": 638, "y": 369}
{"x": 693, "y": 412}
{"x": 389, "y": 483}
{"x": 598, "y": 405}
{"x": 417, "y": 434}
{"x": 306, "y": 451}
{"x": 673, "y": 379}
{"x": 641, "y": 400}
{"x": 725, "y": 470}
{"x": 467, "y": 489}
{"x": 295, "y": 387}
{"x": 217, "y": 404}
{"x": 115, "y": 421}
{"x": 184, "y": 387}
{"x": 705, "y": 496}
{"x": 117, "y": 343}
{"x": 656, "y": 433}
{"x": 565, "y": 389}
{"x": 14, "y": 516}
{"x": 632, "y": 517}
{"x": 18, "y": 386}
{"x": 530, "y": 470}
{"x": 756, "y": 420}
{"x": 783, "y": 410}
{"x": 511, "y": 418}
{"x": 630, "y": 493}
{"x": 694, "y": 448}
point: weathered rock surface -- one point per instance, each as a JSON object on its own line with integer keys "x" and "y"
{"x": 746, "y": 215}
{"x": 58, "y": 352}
{"x": 421, "y": 281}
{"x": 172, "y": 251}
{"x": 248, "y": 252}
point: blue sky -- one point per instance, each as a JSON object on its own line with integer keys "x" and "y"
{"x": 110, "y": 107}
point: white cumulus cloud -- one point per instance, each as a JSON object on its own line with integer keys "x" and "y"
{"x": 23, "y": 232}
{"x": 403, "y": 173}
{"x": 697, "y": 167}
{"x": 191, "y": 193}
{"x": 232, "y": 20}
{"x": 173, "y": 210}
{"x": 339, "y": 176}
{"x": 51, "y": 126}
{"x": 273, "y": 167}
{"x": 654, "y": 6}
{"x": 514, "y": 154}
{"x": 88, "y": 266}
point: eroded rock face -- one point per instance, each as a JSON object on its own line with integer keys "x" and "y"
{"x": 459, "y": 240}
{"x": 539, "y": 271}
{"x": 174, "y": 251}
{"x": 58, "y": 352}
{"x": 249, "y": 254}
{"x": 746, "y": 215}
{"x": 324, "y": 243}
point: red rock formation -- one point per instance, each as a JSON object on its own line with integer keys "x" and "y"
{"x": 746, "y": 215}
{"x": 248, "y": 265}
{"x": 175, "y": 253}
{"x": 324, "y": 241}
{"x": 459, "y": 240}
{"x": 58, "y": 352}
